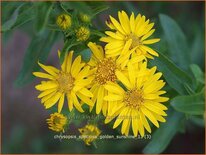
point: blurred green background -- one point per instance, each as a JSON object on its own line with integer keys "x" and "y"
{"x": 24, "y": 129}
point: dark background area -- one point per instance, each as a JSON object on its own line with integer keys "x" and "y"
{"x": 24, "y": 129}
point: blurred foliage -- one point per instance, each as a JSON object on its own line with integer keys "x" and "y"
{"x": 181, "y": 61}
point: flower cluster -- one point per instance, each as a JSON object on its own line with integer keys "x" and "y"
{"x": 115, "y": 82}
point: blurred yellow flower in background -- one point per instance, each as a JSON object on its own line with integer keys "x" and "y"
{"x": 57, "y": 122}
{"x": 141, "y": 98}
{"x": 64, "y": 21}
{"x": 89, "y": 133}
{"x": 130, "y": 33}
{"x": 70, "y": 81}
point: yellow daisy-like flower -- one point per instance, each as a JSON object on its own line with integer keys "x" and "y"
{"x": 103, "y": 71}
{"x": 129, "y": 34}
{"x": 140, "y": 101}
{"x": 64, "y": 21}
{"x": 82, "y": 33}
{"x": 57, "y": 122}
{"x": 71, "y": 81}
{"x": 89, "y": 133}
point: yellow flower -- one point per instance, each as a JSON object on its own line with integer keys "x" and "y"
{"x": 103, "y": 71}
{"x": 141, "y": 98}
{"x": 64, "y": 21}
{"x": 84, "y": 18}
{"x": 89, "y": 133}
{"x": 129, "y": 34}
{"x": 71, "y": 81}
{"x": 57, "y": 122}
{"x": 82, "y": 33}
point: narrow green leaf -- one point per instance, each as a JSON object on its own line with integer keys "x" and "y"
{"x": 162, "y": 136}
{"x": 176, "y": 40}
{"x": 99, "y": 9}
{"x": 197, "y": 72}
{"x": 38, "y": 49}
{"x": 25, "y": 16}
{"x": 193, "y": 104}
{"x": 43, "y": 10}
{"x": 97, "y": 33}
{"x": 9, "y": 23}
{"x": 174, "y": 76}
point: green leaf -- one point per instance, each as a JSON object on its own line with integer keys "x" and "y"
{"x": 85, "y": 54}
{"x": 198, "y": 74}
{"x": 99, "y": 9}
{"x": 39, "y": 49}
{"x": 174, "y": 76}
{"x": 198, "y": 48}
{"x": 193, "y": 104}
{"x": 9, "y": 23}
{"x": 198, "y": 120}
{"x": 176, "y": 40}
{"x": 97, "y": 33}
{"x": 162, "y": 136}
{"x": 25, "y": 16}
{"x": 43, "y": 10}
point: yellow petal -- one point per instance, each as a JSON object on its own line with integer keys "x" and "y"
{"x": 159, "y": 118}
{"x": 150, "y": 116}
{"x": 114, "y": 88}
{"x": 46, "y": 92}
{"x": 123, "y": 79}
{"x": 113, "y": 97}
{"x": 76, "y": 66}
{"x": 96, "y": 51}
{"x": 114, "y": 35}
{"x": 126, "y": 47}
{"x": 86, "y": 92}
{"x": 83, "y": 73}
{"x": 100, "y": 97}
{"x": 151, "y": 41}
{"x": 70, "y": 102}
{"x": 46, "y": 85}
{"x": 117, "y": 25}
{"x": 76, "y": 102}
{"x": 148, "y": 49}
{"x": 141, "y": 128}
{"x": 85, "y": 99}
{"x": 145, "y": 122}
{"x": 148, "y": 34}
{"x": 132, "y": 76}
{"x": 132, "y": 22}
{"x": 61, "y": 103}
{"x": 45, "y": 98}
{"x": 43, "y": 75}
{"x": 155, "y": 109}
{"x": 49, "y": 69}
{"x": 69, "y": 62}
{"x": 124, "y": 20}
{"x": 49, "y": 103}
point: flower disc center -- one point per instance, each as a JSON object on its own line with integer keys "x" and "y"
{"x": 106, "y": 71}
{"x": 65, "y": 81}
{"x": 134, "y": 98}
{"x": 135, "y": 40}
